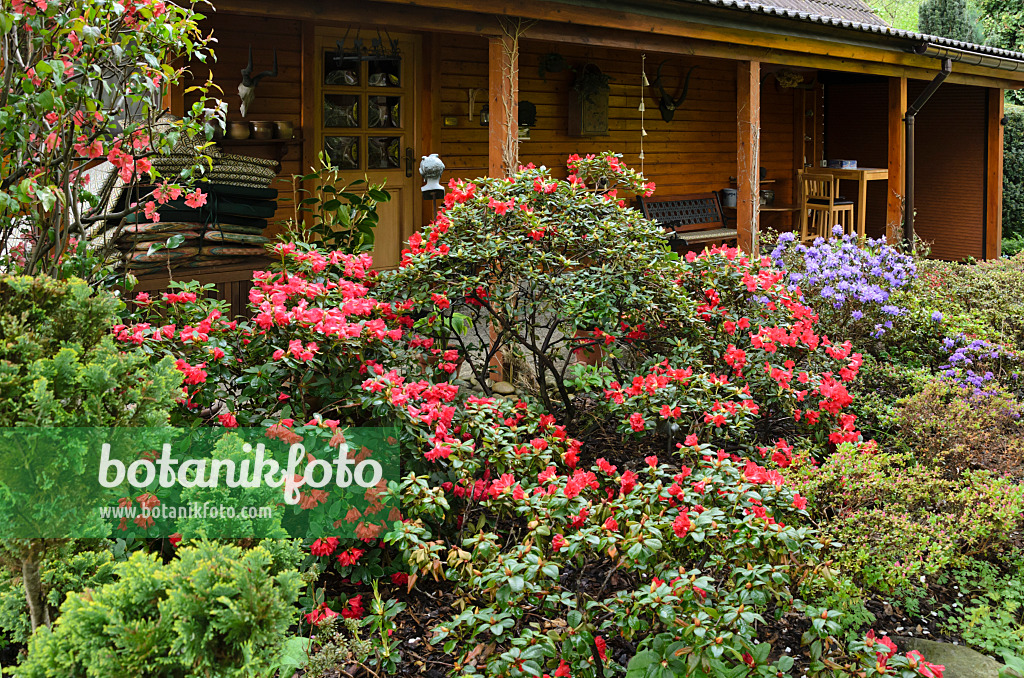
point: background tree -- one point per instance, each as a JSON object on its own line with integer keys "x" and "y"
{"x": 946, "y": 18}
{"x": 83, "y": 82}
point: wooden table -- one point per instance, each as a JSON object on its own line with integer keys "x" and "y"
{"x": 862, "y": 175}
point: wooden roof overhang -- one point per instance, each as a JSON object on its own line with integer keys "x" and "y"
{"x": 697, "y": 27}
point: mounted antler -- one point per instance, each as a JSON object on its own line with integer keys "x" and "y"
{"x": 667, "y": 104}
{"x": 247, "y": 88}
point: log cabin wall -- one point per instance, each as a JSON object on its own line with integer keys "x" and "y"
{"x": 695, "y": 152}
{"x": 278, "y": 98}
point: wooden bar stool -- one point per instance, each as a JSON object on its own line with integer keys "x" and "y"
{"x": 822, "y": 207}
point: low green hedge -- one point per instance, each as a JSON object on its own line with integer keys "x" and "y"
{"x": 1013, "y": 176}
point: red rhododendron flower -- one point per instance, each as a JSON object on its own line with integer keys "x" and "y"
{"x": 354, "y": 609}
{"x": 602, "y": 647}
{"x": 350, "y": 557}
{"x": 324, "y": 547}
{"x": 926, "y": 669}
{"x": 681, "y": 525}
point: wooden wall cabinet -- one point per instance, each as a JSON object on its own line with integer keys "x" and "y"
{"x": 588, "y": 116}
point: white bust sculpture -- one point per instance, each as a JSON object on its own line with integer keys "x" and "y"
{"x": 431, "y": 168}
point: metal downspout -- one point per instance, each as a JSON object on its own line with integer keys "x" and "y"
{"x": 908, "y": 121}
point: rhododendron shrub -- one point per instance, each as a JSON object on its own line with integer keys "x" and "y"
{"x": 864, "y": 294}
{"x": 314, "y": 335}
{"x": 757, "y": 370}
{"x": 545, "y": 268}
{"x": 83, "y": 82}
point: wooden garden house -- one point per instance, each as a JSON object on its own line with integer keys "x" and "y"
{"x": 783, "y": 87}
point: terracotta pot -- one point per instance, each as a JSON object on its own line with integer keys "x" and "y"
{"x": 238, "y": 130}
{"x": 262, "y": 129}
{"x": 284, "y": 129}
{"x": 591, "y": 355}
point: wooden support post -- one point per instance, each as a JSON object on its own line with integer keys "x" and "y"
{"x": 174, "y": 95}
{"x": 502, "y": 102}
{"x": 897, "y": 154}
{"x": 994, "y": 176}
{"x": 748, "y": 146}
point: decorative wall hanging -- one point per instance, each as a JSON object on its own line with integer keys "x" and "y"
{"x": 643, "y": 108}
{"x": 668, "y": 104}
{"x": 552, "y": 62}
{"x": 381, "y": 48}
{"x": 527, "y": 116}
{"x": 588, "y": 107}
{"x": 788, "y": 79}
{"x": 247, "y": 88}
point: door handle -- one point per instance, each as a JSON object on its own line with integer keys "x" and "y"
{"x": 408, "y": 161}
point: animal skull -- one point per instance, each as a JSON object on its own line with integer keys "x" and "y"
{"x": 667, "y": 104}
{"x": 247, "y": 88}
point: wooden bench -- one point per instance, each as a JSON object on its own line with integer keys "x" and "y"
{"x": 689, "y": 219}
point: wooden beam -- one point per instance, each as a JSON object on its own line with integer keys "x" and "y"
{"x": 308, "y": 122}
{"x": 430, "y": 107}
{"x": 748, "y": 146}
{"x": 994, "y": 176}
{"x": 726, "y": 26}
{"x": 633, "y": 29}
{"x": 502, "y": 100}
{"x": 897, "y": 149}
{"x": 174, "y": 95}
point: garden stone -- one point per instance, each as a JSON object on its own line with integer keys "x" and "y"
{"x": 960, "y": 661}
{"x": 503, "y": 388}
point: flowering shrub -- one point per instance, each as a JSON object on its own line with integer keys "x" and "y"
{"x": 981, "y": 366}
{"x": 757, "y": 370}
{"x": 550, "y": 267}
{"x": 562, "y": 559}
{"x": 314, "y": 335}
{"x": 83, "y": 81}
{"x": 983, "y": 300}
{"x": 857, "y": 292}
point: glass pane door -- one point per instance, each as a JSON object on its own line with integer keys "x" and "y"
{"x": 364, "y": 102}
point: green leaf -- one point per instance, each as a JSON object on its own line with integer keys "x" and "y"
{"x": 174, "y": 241}
{"x": 637, "y": 667}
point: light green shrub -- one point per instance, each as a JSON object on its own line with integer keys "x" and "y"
{"x": 215, "y": 611}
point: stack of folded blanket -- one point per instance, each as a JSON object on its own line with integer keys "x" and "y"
{"x": 227, "y": 228}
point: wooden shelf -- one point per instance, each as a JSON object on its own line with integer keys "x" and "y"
{"x": 732, "y": 180}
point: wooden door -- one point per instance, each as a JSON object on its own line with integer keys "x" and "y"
{"x": 365, "y": 120}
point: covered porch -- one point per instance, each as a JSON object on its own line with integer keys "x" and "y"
{"x": 764, "y": 91}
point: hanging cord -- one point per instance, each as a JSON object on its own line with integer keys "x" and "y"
{"x": 642, "y": 108}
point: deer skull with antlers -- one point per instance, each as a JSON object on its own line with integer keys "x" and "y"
{"x": 667, "y": 104}
{"x": 247, "y": 88}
